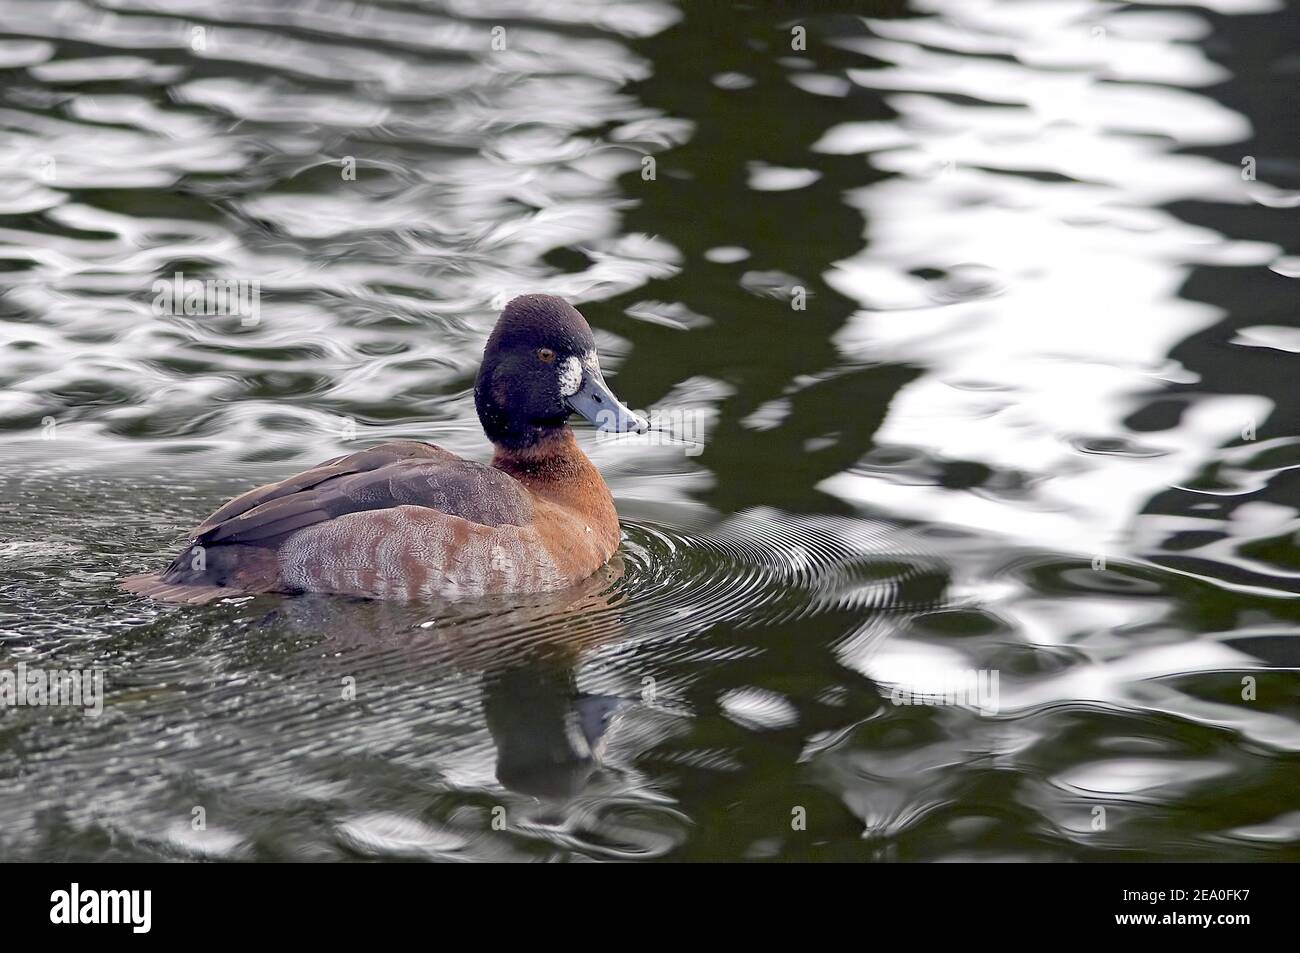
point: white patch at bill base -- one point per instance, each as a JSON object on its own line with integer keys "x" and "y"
{"x": 570, "y": 376}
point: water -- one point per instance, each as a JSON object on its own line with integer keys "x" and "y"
{"x": 1036, "y": 417}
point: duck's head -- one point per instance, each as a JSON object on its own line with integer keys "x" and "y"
{"x": 539, "y": 367}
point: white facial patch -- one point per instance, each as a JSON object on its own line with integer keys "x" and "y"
{"x": 570, "y": 376}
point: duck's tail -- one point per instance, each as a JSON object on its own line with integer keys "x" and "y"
{"x": 154, "y": 585}
{"x": 200, "y": 575}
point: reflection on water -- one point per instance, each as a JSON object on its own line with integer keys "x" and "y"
{"x": 970, "y": 326}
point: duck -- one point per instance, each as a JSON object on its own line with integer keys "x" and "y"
{"x": 409, "y": 520}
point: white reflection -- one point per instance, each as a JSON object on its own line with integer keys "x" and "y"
{"x": 1055, "y": 305}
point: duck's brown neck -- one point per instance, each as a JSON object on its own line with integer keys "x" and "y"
{"x": 556, "y": 469}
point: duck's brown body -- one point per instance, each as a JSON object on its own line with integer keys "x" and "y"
{"x": 405, "y": 520}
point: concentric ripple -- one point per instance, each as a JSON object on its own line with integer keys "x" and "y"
{"x": 768, "y": 568}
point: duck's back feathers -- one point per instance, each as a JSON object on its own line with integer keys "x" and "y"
{"x": 360, "y": 523}
{"x": 404, "y": 472}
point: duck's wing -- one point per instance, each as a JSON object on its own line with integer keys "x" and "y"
{"x": 363, "y": 461}
{"x": 235, "y": 550}
{"x": 403, "y": 473}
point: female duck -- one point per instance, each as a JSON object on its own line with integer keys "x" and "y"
{"x": 409, "y": 520}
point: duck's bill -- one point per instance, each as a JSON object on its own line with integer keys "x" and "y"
{"x": 595, "y": 401}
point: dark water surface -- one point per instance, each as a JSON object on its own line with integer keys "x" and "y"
{"x": 1036, "y": 418}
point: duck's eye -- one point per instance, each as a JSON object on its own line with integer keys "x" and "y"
{"x": 546, "y": 355}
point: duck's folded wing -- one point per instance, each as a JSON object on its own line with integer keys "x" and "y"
{"x": 363, "y": 461}
{"x": 389, "y": 475}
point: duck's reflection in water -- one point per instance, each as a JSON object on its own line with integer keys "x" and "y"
{"x": 516, "y": 661}
{"x": 548, "y": 735}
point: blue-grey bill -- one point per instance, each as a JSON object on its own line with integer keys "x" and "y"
{"x": 595, "y": 401}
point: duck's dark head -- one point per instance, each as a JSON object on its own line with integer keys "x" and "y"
{"x": 539, "y": 367}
